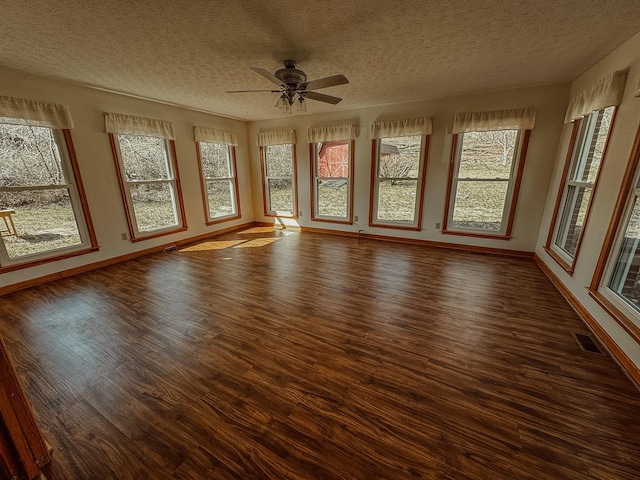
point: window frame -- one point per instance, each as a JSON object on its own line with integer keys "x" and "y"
{"x": 513, "y": 190}
{"x": 134, "y": 234}
{"x": 313, "y": 157}
{"x": 374, "y": 186}
{"x": 577, "y": 144}
{"x": 599, "y": 290}
{"x": 80, "y": 207}
{"x": 234, "y": 182}
{"x": 265, "y": 182}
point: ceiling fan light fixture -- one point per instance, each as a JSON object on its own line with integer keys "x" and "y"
{"x": 302, "y": 105}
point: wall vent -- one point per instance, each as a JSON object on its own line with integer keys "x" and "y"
{"x": 587, "y": 344}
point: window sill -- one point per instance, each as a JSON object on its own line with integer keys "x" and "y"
{"x": 222, "y": 220}
{"x": 330, "y": 220}
{"x": 411, "y": 228}
{"x": 559, "y": 260}
{"x": 498, "y": 236}
{"x": 630, "y": 327}
{"x": 42, "y": 261}
{"x": 159, "y": 234}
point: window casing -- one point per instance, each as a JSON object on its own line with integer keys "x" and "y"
{"x": 280, "y": 195}
{"x": 149, "y": 182}
{"x": 217, "y": 164}
{"x": 484, "y": 181}
{"x": 580, "y": 177}
{"x": 40, "y": 183}
{"x": 397, "y": 181}
{"x": 616, "y": 280}
{"x": 332, "y": 181}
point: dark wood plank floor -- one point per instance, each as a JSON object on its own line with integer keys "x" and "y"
{"x": 270, "y": 354}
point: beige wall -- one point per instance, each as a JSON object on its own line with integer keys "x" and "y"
{"x": 620, "y": 143}
{"x": 549, "y": 101}
{"x": 98, "y": 171}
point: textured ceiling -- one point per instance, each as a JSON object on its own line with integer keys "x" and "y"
{"x": 188, "y": 52}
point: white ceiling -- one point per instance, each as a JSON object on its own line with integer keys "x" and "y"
{"x": 188, "y": 52}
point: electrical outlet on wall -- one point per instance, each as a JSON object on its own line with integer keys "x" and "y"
{"x": 300, "y": 213}
{"x": 124, "y": 236}
{"x": 438, "y": 226}
{"x": 355, "y": 219}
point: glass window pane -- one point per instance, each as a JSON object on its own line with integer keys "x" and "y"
{"x": 280, "y": 196}
{"x": 480, "y": 205}
{"x": 626, "y": 275}
{"x": 587, "y": 168}
{"x": 487, "y": 154}
{"x": 215, "y": 160}
{"x": 220, "y": 198}
{"x": 144, "y": 158}
{"x": 279, "y": 160}
{"x": 572, "y": 222}
{"x": 44, "y": 221}
{"x": 29, "y": 156}
{"x": 154, "y": 206}
{"x": 333, "y": 197}
{"x": 397, "y": 200}
{"x": 400, "y": 157}
{"x": 333, "y": 159}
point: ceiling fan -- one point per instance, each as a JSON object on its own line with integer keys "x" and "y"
{"x": 294, "y": 88}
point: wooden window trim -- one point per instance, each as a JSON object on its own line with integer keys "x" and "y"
{"x": 517, "y": 182}
{"x": 227, "y": 218}
{"x": 569, "y": 267}
{"x": 612, "y": 231}
{"x": 294, "y": 178}
{"x": 422, "y": 180}
{"x": 84, "y": 205}
{"x": 323, "y": 218}
{"x": 123, "y": 193}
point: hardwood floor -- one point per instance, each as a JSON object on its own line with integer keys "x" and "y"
{"x": 275, "y": 354}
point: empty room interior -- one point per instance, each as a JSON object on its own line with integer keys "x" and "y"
{"x": 337, "y": 240}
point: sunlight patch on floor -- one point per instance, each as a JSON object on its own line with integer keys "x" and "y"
{"x": 215, "y": 245}
{"x": 257, "y": 242}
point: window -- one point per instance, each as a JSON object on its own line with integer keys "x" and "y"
{"x": 331, "y": 153}
{"x": 616, "y": 281}
{"x": 592, "y": 112}
{"x": 278, "y": 163}
{"x": 398, "y": 172}
{"x": 217, "y": 163}
{"x": 148, "y": 175}
{"x": 42, "y": 204}
{"x": 488, "y": 153}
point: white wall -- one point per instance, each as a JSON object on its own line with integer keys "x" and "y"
{"x": 549, "y": 101}
{"x": 98, "y": 170}
{"x": 609, "y": 183}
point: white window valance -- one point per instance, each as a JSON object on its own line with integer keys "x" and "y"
{"x": 280, "y": 137}
{"x": 19, "y": 111}
{"x": 516, "y": 119}
{"x": 605, "y": 93}
{"x": 130, "y": 125}
{"x": 213, "y": 135}
{"x": 401, "y": 128}
{"x": 331, "y": 133}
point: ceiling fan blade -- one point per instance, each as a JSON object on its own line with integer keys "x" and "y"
{"x": 249, "y": 91}
{"x": 327, "y": 82}
{"x": 267, "y": 75}
{"x": 321, "y": 97}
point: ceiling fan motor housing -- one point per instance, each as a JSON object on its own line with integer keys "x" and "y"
{"x": 290, "y": 74}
